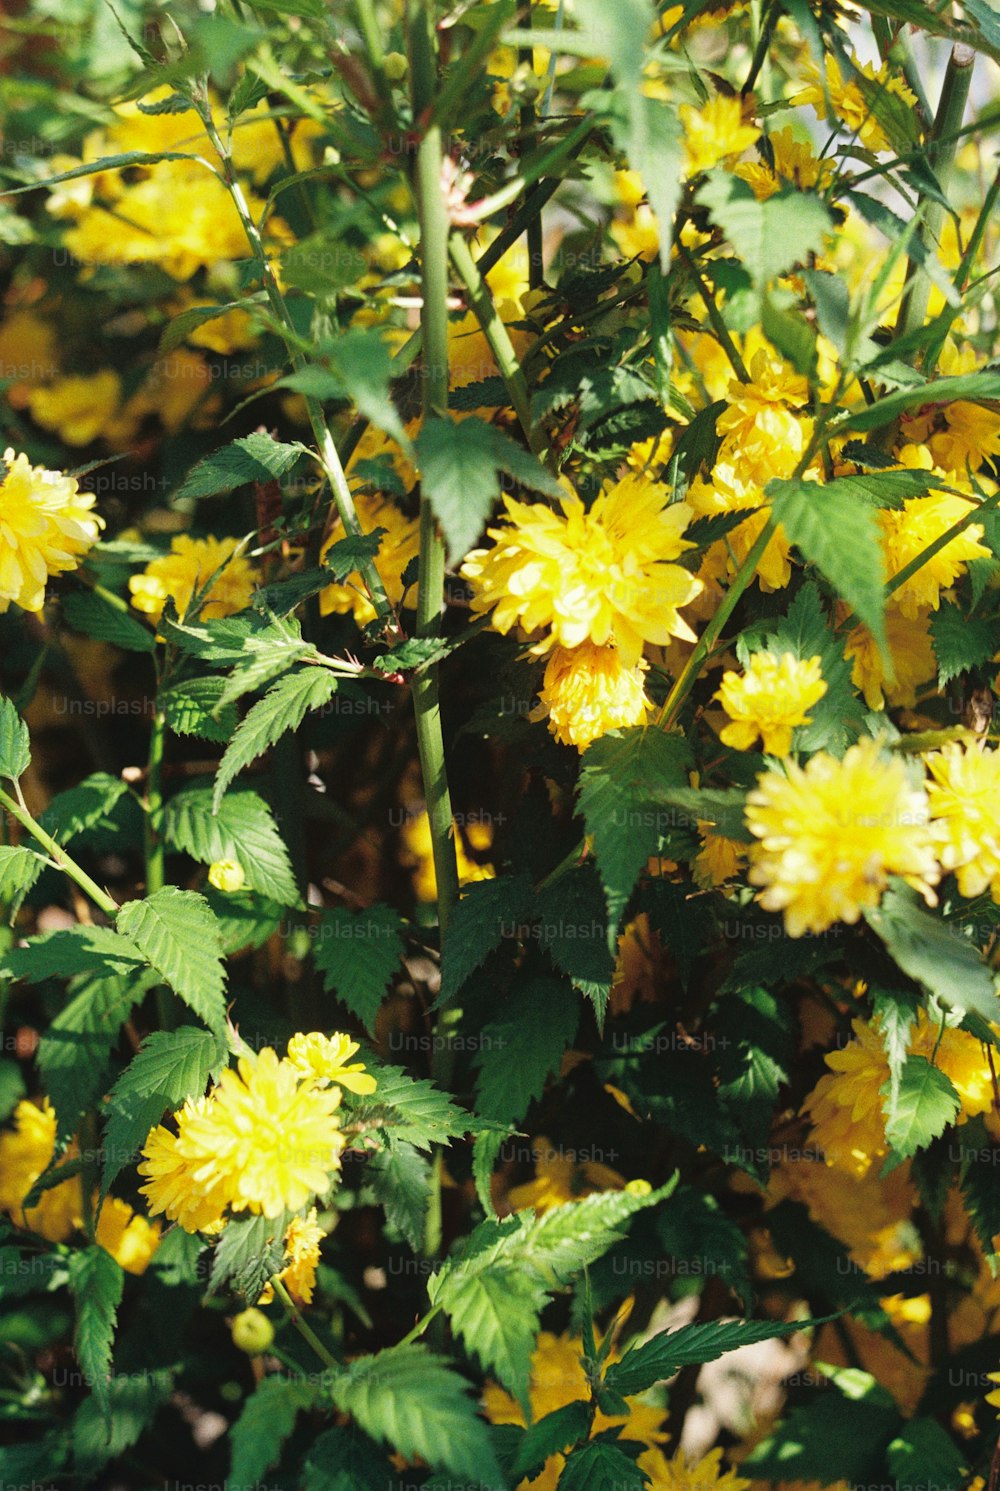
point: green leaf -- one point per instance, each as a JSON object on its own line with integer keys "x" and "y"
{"x": 622, "y": 780}
{"x": 962, "y": 642}
{"x": 15, "y": 747}
{"x": 836, "y": 719}
{"x": 82, "y": 807}
{"x": 601, "y": 1466}
{"x": 243, "y": 919}
{"x": 835, "y": 529}
{"x": 896, "y": 1014}
{"x": 573, "y": 928}
{"x": 74, "y": 1053}
{"x": 134, "y": 1399}
{"x": 401, "y": 1181}
{"x": 119, "y": 162}
{"x": 411, "y": 1109}
{"x": 647, "y": 131}
{"x": 357, "y": 953}
{"x": 192, "y": 708}
{"x": 80, "y": 949}
{"x": 830, "y": 1439}
{"x": 176, "y": 932}
{"x": 934, "y": 954}
{"x": 250, "y": 1252}
{"x": 485, "y": 1153}
{"x": 256, "y": 457}
{"x": 97, "y": 1282}
{"x": 344, "y": 1459}
{"x": 19, "y": 869}
{"x": 552, "y": 1435}
{"x": 923, "y": 1451}
{"x": 172, "y": 1064}
{"x": 488, "y": 911}
{"x": 980, "y": 1191}
{"x": 664, "y": 1354}
{"x": 984, "y": 385}
{"x": 179, "y": 328}
{"x": 283, "y": 708}
{"x": 267, "y": 1419}
{"x": 91, "y": 614}
{"x": 769, "y": 237}
{"x": 411, "y": 1400}
{"x": 523, "y": 1046}
{"x": 243, "y": 830}
{"x": 460, "y": 466}
{"x": 496, "y": 1313}
{"x": 925, "y": 1104}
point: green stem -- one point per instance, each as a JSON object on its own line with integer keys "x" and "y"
{"x": 154, "y": 806}
{"x": 950, "y": 313}
{"x": 497, "y": 336}
{"x": 433, "y": 218}
{"x": 940, "y": 157}
{"x": 59, "y": 856}
{"x": 719, "y": 326}
{"x": 328, "y": 457}
{"x": 305, "y": 1331}
{"x": 420, "y": 1326}
{"x": 926, "y": 555}
{"x": 744, "y": 575}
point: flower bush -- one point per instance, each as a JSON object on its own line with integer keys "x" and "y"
{"x": 500, "y": 783}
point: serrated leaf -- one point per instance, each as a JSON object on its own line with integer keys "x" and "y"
{"x": 267, "y": 1419}
{"x": 934, "y": 954}
{"x": 19, "y": 869}
{"x": 411, "y": 1400}
{"x": 82, "y": 807}
{"x": 923, "y": 1451}
{"x": 134, "y": 1399}
{"x": 74, "y": 1052}
{"x": 523, "y": 1046}
{"x": 925, "y": 1104}
{"x": 97, "y": 1282}
{"x": 243, "y": 919}
{"x": 962, "y": 642}
{"x": 496, "y": 1314}
{"x": 664, "y": 1354}
{"x": 601, "y": 1466}
{"x": 622, "y": 780}
{"x": 249, "y": 1253}
{"x": 243, "y": 830}
{"x": 90, "y": 613}
{"x": 769, "y": 237}
{"x": 485, "y": 1153}
{"x": 256, "y": 457}
{"x": 15, "y": 746}
{"x": 192, "y": 707}
{"x": 283, "y": 708}
{"x": 835, "y": 528}
{"x": 895, "y": 1012}
{"x": 357, "y": 953}
{"x": 983, "y": 385}
{"x": 175, "y": 931}
{"x": 460, "y": 466}
{"x": 80, "y": 949}
{"x": 978, "y": 1181}
{"x": 345, "y": 1459}
{"x": 401, "y": 1181}
{"x": 488, "y": 911}
{"x": 552, "y": 1435}
{"x": 411, "y": 1109}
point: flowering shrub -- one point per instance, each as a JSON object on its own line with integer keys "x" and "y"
{"x": 499, "y": 624}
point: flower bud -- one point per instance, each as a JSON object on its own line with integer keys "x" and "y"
{"x": 252, "y": 1332}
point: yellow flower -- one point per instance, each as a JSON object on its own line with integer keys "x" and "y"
{"x": 602, "y": 575}
{"x": 794, "y": 161}
{"x": 399, "y": 547}
{"x": 847, "y": 101}
{"x": 764, "y": 435}
{"x": 588, "y": 691}
{"x": 176, "y": 1184}
{"x": 770, "y": 700}
{"x": 832, "y": 832}
{"x": 46, "y": 527}
{"x": 25, "y": 1152}
{"x": 417, "y": 854}
{"x": 727, "y": 491}
{"x": 187, "y": 569}
{"x": 302, "y": 1244}
{"x": 713, "y": 132}
{"x": 226, "y": 875}
{"x": 324, "y": 1059}
{"x": 28, "y": 354}
{"x": 78, "y": 408}
{"x": 719, "y": 859}
{"x": 970, "y": 436}
{"x": 908, "y": 531}
{"x": 557, "y": 1379}
{"x": 267, "y": 1138}
{"x": 128, "y": 1237}
{"x": 706, "y": 1474}
{"x": 913, "y": 659}
{"x": 560, "y": 1178}
{"x": 637, "y": 236}
{"x": 964, "y": 793}
{"x": 869, "y": 1214}
{"x": 993, "y": 1398}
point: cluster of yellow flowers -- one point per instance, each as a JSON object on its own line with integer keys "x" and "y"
{"x": 211, "y": 568}
{"x": 46, "y": 527}
{"x": 589, "y": 587}
{"x": 26, "y": 1152}
{"x": 265, "y": 1140}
